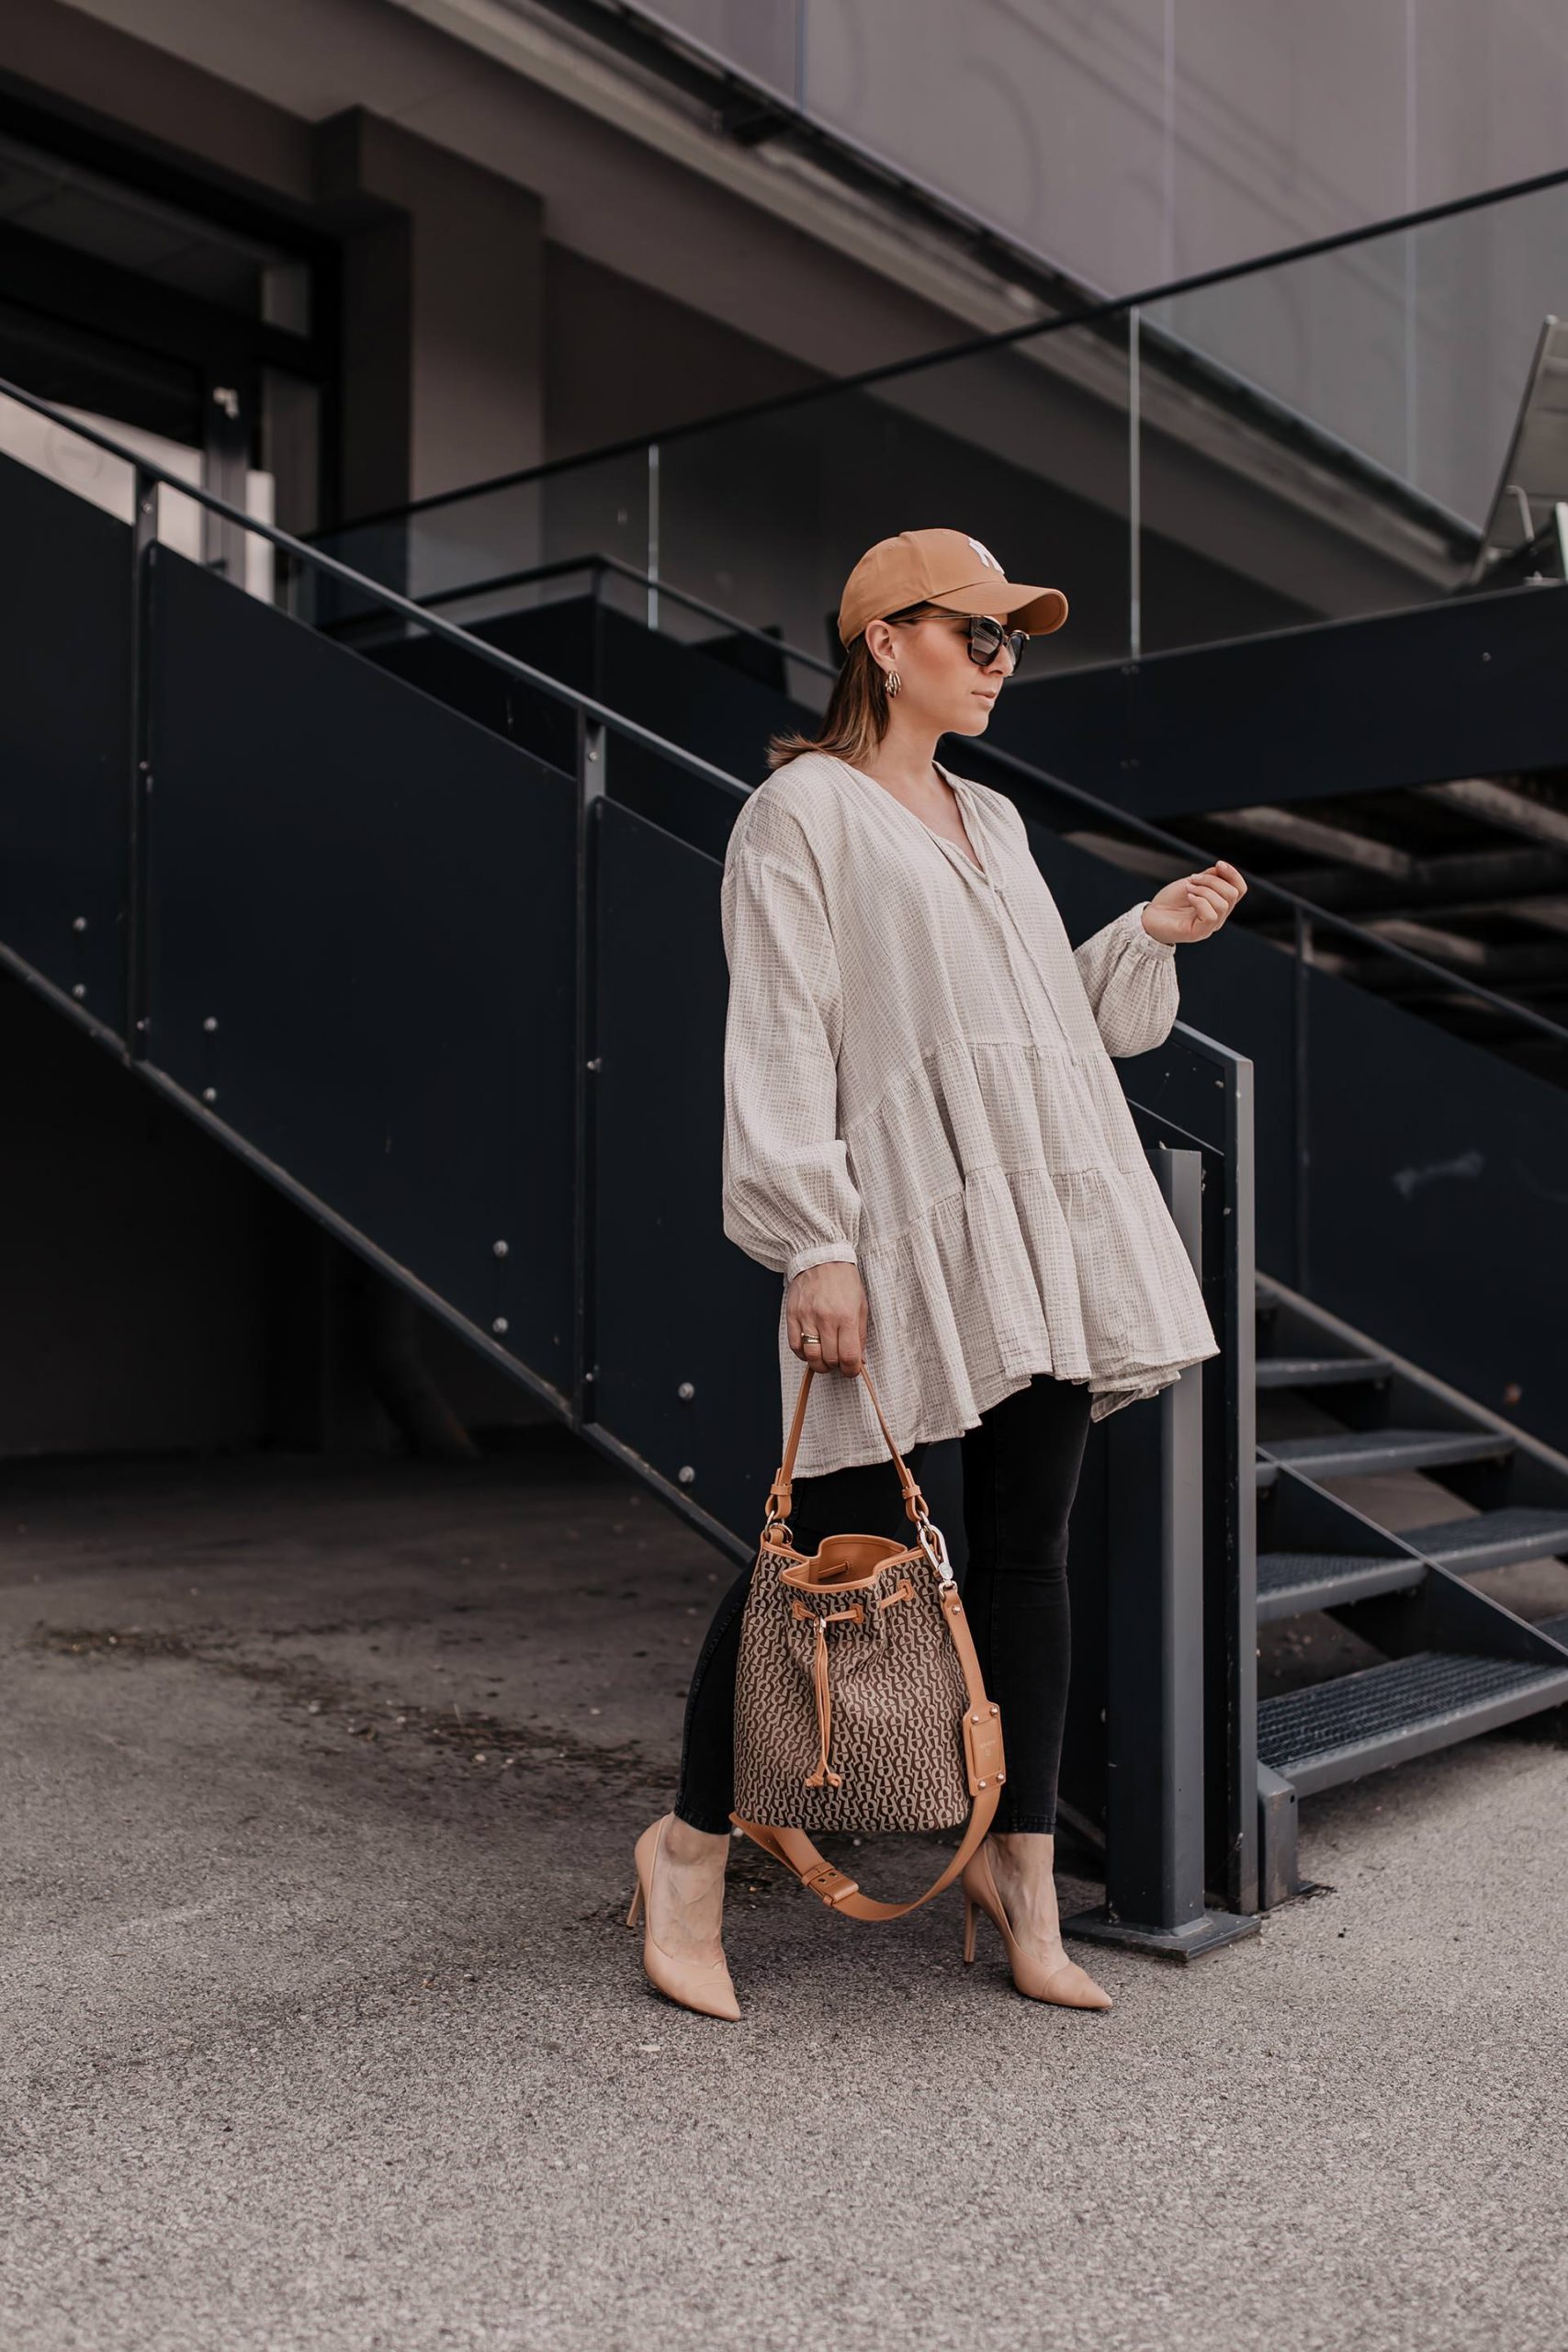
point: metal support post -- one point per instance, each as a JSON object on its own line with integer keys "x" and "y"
{"x": 139, "y": 812}
{"x": 593, "y": 744}
{"x": 1154, "y": 1822}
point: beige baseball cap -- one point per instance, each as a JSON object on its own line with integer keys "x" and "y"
{"x": 942, "y": 568}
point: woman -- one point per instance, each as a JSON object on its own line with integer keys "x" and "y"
{"x": 925, "y": 1137}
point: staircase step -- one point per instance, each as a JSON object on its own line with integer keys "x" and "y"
{"x": 1318, "y": 1372}
{"x": 1339, "y": 1730}
{"x": 1492, "y": 1539}
{"x": 1362, "y": 1452}
{"x": 1292, "y": 1583}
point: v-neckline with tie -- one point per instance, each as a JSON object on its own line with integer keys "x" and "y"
{"x": 965, "y": 810}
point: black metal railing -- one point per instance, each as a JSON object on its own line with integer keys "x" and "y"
{"x": 770, "y": 499}
{"x": 457, "y": 1002}
{"x": 1039, "y": 786}
{"x": 1101, "y": 313}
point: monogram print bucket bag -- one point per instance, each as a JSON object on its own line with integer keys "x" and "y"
{"x": 859, "y": 1702}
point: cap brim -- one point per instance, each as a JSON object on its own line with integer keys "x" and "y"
{"x": 1038, "y": 610}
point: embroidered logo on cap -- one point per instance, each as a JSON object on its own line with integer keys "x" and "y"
{"x": 984, "y": 553}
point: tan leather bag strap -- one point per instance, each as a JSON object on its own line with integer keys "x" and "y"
{"x": 779, "y": 1493}
{"x": 983, "y": 1754}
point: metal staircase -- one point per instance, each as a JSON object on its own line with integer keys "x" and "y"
{"x": 1457, "y": 1660}
{"x": 307, "y": 937}
{"x": 1333, "y": 1410}
{"x": 1415, "y": 781}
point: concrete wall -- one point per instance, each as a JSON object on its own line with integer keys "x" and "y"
{"x": 1134, "y": 141}
{"x": 1137, "y": 142}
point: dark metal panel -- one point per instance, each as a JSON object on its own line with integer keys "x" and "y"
{"x": 66, "y": 610}
{"x": 677, "y": 1306}
{"x": 1472, "y": 686}
{"x": 1438, "y": 1202}
{"x": 1155, "y": 1685}
{"x": 679, "y": 693}
{"x": 558, "y": 640}
{"x": 1189, "y": 1089}
{"x": 361, "y": 921}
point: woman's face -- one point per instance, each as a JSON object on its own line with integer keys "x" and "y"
{"x": 942, "y": 688}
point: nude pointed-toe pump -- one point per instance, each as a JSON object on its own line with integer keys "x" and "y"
{"x": 702, "y": 1985}
{"x": 1064, "y": 1983}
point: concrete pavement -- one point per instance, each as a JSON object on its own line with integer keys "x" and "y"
{"x": 324, "y": 2028}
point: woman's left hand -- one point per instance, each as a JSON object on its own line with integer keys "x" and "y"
{"x": 1194, "y": 906}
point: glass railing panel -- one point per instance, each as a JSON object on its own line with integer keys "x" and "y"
{"x": 559, "y": 515}
{"x": 1365, "y": 399}
{"x": 1315, "y": 439}
{"x": 1027, "y": 447}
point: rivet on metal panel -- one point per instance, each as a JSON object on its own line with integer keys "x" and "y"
{"x": 686, "y": 1391}
{"x": 501, "y": 1324}
{"x": 80, "y": 923}
{"x": 80, "y": 989}
{"x": 210, "y": 1094}
{"x": 499, "y": 1248}
{"x": 210, "y": 1023}
{"x": 595, "y": 1063}
{"x": 686, "y": 1474}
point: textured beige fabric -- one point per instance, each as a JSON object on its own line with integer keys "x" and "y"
{"x": 918, "y": 1078}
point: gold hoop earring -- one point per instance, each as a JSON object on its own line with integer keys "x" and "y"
{"x": 893, "y": 681}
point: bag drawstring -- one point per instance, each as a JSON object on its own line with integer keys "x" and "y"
{"x": 824, "y": 1776}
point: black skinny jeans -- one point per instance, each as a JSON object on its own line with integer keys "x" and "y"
{"x": 1021, "y": 1470}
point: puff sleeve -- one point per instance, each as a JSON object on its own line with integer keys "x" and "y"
{"x": 788, "y": 1200}
{"x": 1130, "y": 983}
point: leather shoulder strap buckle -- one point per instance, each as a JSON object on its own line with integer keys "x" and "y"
{"x": 830, "y": 1883}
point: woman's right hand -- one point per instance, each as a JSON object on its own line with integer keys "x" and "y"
{"x": 830, "y": 1300}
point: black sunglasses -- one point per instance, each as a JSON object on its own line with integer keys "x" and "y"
{"x": 985, "y": 634}
{"x": 987, "y": 638}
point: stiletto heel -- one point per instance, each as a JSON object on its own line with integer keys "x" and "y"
{"x": 702, "y": 1985}
{"x": 1067, "y": 1984}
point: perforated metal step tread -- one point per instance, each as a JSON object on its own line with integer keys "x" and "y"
{"x": 1492, "y": 1539}
{"x": 1292, "y": 1583}
{"x": 1408, "y": 1706}
{"x": 1319, "y": 1372}
{"x": 1365, "y": 1451}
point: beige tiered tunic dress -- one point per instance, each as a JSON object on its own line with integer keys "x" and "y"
{"x": 918, "y": 1079}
